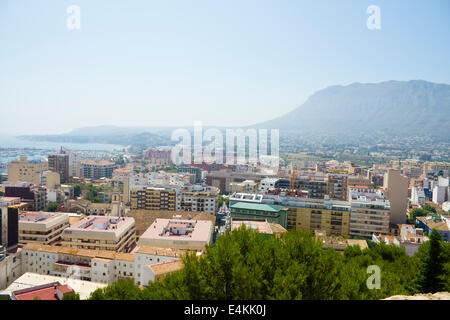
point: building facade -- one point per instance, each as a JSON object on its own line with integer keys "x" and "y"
{"x": 154, "y": 199}
{"x": 101, "y": 233}
{"x": 42, "y": 227}
{"x": 24, "y": 170}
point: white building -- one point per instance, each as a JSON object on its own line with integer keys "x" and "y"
{"x": 10, "y": 266}
{"x": 418, "y": 196}
{"x": 439, "y": 194}
{"x": 30, "y": 280}
{"x": 267, "y": 184}
{"x": 95, "y": 265}
{"x": 446, "y": 206}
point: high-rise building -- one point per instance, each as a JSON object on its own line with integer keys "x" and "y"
{"x": 337, "y": 185}
{"x": 9, "y": 222}
{"x": 59, "y": 162}
{"x": 396, "y": 188}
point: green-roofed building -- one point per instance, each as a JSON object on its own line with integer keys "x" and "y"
{"x": 272, "y": 213}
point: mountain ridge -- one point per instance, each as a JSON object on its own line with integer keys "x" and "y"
{"x": 401, "y": 107}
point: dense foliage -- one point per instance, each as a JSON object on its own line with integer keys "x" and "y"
{"x": 71, "y": 296}
{"x": 242, "y": 265}
{"x": 420, "y": 212}
{"x": 223, "y": 200}
{"x": 51, "y": 207}
{"x": 76, "y": 190}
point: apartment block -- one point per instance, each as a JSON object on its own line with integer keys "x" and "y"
{"x": 9, "y": 222}
{"x": 98, "y": 266}
{"x": 34, "y": 195}
{"x": 101, "y": 233}
{"x": 369, "y": 216}
{"x": 198, "y": 198}
{"x": 363, "y": 214}
{"x": 337, "y": 184}
{"x": 93, "y": 169}
{"x": 151, "y": 198}
{"x": 50, "y": 179}
{"x": 396, "y": 187}
{"x": 59, "y": 162}
{"x": 24, "y": 170}
{"x": 317, "y": 186}
{"x": 10, "y": 266}
{"x": 42, "y": 227}
{"x": 157, "y": 157}
{"x": 418, "y": 196}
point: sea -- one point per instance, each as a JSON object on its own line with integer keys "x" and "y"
{"x": 12, "y": 147}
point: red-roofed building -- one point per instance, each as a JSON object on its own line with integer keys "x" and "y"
{"x": 50, "y": 291}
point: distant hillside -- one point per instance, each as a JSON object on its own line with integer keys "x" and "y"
{"x": 111, "y": 135}
{"x": 393, "y": 107}
{"x": 412, "y": 108}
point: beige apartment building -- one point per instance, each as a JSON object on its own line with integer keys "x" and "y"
{"x": 198, "y": 198}
{"x": 23, "y": 170}
{"x": 396, "y": 190}
{"x": 42, "y": 227}
{"x": 151, "y": 198}
{"x": 50, "y": 179}
{"x": 368, "y": 217}
{"x": 101, "y": 233}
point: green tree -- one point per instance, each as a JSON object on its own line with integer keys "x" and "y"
{"x": 434, "y": 265}
{"x": 76, "y": 190}
{"x": 416, "y": 212}
{"x": 124, "y": 289}
{"x": 244, "y": 265}
{"x": 52, "y": 206}
{"x": 429, "y": 209}
{"x": 71, "y": 296}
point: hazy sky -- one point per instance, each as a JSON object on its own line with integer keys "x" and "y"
{"x": 223, "y": 62}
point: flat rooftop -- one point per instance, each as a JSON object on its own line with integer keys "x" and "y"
{"x": 176, "y": 229}
{"x": 38, "y": 216}
{"x": 100, "y": 223}
{"x": 97, "y": 162}
{"x": 5, "y": 201}
{"x": 256, "y": 206}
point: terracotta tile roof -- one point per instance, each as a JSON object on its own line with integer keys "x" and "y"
{"x": 44, "y": 292}
{"x": 160, "y": 251}
{"x": 105, "y": 254}
{"x": 166, "y": 267}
